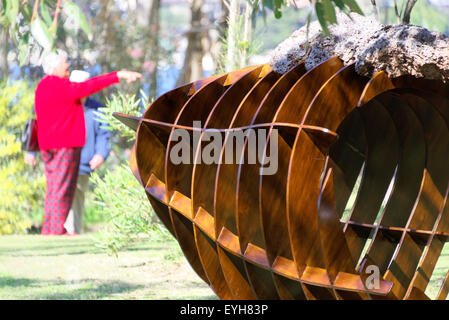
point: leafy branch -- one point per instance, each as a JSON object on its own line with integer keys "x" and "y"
{"x": 122, "y": 103}
{"x": 325, "y": 10}
{"x": 30, "y": 23}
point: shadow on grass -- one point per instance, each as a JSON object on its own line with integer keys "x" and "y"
{"x": 51, "y": 251}
{"x": 70, "y": 246}
{"x": 46, "y": 247}
{"x": 65, "y": 290}
{"x": 54, "y": 251}
{"x": 88, "y": 289}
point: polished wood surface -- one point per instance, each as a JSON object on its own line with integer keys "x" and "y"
{"x": 309, "y": 230}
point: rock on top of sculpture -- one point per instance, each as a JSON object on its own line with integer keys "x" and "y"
{"x": 396, "y": 49}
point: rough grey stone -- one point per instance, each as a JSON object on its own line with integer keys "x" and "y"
{"x": 395, "y": 49}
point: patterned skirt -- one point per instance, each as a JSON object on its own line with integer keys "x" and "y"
{"x": 61, "y": 172}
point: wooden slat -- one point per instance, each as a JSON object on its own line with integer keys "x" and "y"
{"x": 178, "y": 177}
{"x": 205, "y": 222}
{"x": 381, "y": 140}
{"x": 256, "y": 254}
{"x": 286, "y": 267}
{"x": 426, "y": 266}
{"x": 294, "y": 106}
{"x": 378, "y": 84}
{"x": 225, "y": 202}
{"x": 262, "y": 282}
{"x": 289, "y": 289}
{"x": 166, "y": 108}
{"x": 378, "y": 172}
{"x": 410, "y": 168}
{"x": 437, "y": 139}
{"x": 409, "y": 175}
{"x": 203, "y": 195}
{"x": 417, "y": 294}
{"x": 182, "y": 204}
{"x": 347, "y": 155}
{"x": 184, "y": 232}
{"x": 211, "y": 264}
{"x": 403, "y": 266}
{"x": 335, "y": 248}
{"x": 156, "y": 188}
{"x": 353, "y": 282}
{"x": 131, "y": 122}
{"x": 302, "y": 213}
{"x": 444, "y": 290}
{"x": 233, "y": 267}
{"x": 335, "y": 100}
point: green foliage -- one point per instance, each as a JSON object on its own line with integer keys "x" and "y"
{"x": 76, "y": 16}
{"x": 324, "y": 9}
{"x": 130, "y": 216}
{"x": 31, "y": 23}
{"x": 93, "y": 215}
{"x": 22, "y": 188}
{"x": 243, "y": 48}
{"x": 120, "y": 199}
{"x": 275, "y": 6}
{"x": 426, "y": 15}
{"x": 274, "y": 31}
{"x": 122, "y": 103}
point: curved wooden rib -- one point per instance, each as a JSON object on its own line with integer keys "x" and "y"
{"x": 306, "y": 245}
{"x": 252, "y": 241}
{"x": 432, "y": 197}
{"x": 258, "y": 112}
{"x": 203, "y": 175}
{"x": 272, "y": 193}
{"x": 286, "y": 238}
{"x": 178, "y": 176}
{"x": 408, "y": 178}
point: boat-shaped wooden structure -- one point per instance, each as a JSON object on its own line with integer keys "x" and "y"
{"x": 361, "y": 184}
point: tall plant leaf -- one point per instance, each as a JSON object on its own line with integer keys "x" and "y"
{"x": 353, "y": 6}
{"x": 72, "y": 11}
{"x": 41, "y": 34}
{"x": 12, "y": 11}
{"x": 321, "y": 15}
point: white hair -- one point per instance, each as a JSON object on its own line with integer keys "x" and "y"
{"x": 51, "y": 60}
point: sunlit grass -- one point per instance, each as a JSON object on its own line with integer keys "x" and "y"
{"x": 36, "y": 267}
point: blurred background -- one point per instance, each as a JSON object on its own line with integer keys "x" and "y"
{"x": 171, "y": 42}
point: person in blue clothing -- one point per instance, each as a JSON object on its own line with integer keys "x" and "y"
{"x": 93, "y": 154}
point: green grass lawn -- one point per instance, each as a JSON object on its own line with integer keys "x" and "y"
{"x": 441, "y": 268}
{"x": 36, "y": 267}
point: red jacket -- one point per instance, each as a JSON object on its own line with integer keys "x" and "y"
{"x": 59, "y": 113}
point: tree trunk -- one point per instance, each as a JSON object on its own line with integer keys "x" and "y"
{"x": 193, "y": 59}
{"x": 223, "y": 21}
{"x": 376, "y": 10}
{"x": 103, "y": 18}
{"x": 247, "y": 34}
{"x": 154, "y": 28}
{"x": 408, "y": 11}
{"x": 4, "y": 67}
{"x": 231, "y": 54}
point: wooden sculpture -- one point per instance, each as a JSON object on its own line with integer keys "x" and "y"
{"x": 284, "y": 236}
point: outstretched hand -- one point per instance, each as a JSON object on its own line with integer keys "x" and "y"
{"x": 129, "y": 76}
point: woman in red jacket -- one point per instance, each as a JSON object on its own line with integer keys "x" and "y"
{"x": 62, "y": 132}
